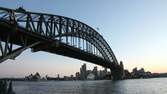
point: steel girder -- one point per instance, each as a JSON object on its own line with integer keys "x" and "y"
{"x": 60, "y": 28}
{"x": 10, "y": 51}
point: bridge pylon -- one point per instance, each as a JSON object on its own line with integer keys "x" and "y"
{"x": 118, "y": 72}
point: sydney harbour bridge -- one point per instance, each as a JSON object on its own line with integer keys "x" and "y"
{"x": 21, "y": 30}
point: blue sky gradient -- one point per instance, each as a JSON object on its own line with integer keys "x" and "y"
{"x": 136, "y": 30}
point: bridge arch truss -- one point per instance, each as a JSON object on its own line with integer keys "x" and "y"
{"x": 62, "y": 29}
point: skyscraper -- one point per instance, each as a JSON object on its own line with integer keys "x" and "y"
{"x": 77, "y": 75}
{"x": 95, "y": 72}
{"x": 83, "y": 72}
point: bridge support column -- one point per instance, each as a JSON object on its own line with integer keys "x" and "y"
{"x": 117, "y": 73}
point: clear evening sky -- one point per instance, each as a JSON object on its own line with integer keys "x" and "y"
{"x": 136, "y": 30}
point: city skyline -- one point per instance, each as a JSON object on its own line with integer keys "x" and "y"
{"x": 135, "y": 30}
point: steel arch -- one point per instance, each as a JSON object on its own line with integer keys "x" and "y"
{"x": 60, "y": 28}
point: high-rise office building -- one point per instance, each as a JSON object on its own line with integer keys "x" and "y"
{"x": 83, "y": 72}
{"x": 95, "y": 72}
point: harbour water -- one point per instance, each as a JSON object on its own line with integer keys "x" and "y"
{"x": 134, "y": 86}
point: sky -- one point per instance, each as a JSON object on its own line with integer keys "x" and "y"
{"x": 136, "y": 30}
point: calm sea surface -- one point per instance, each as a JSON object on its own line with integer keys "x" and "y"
{"x": 138, "y": 86}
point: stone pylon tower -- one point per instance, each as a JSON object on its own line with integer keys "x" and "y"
{"x": 122, "y": 69}
{"x": 118, "y": 72}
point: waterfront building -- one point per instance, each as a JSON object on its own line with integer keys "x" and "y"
{"x": 122, "y": 69}
{"x": 95, "y": 73}
{"x": 83, "y": 72}
{"x": 127, "y": 74}
{"x": 91, "y": 76}
{"x": 58, "y": 76}
{"x": 33, "y": 77}
{"x": 77, "y": 75}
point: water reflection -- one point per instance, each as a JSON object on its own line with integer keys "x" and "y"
{"x": 141, "y": 86}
